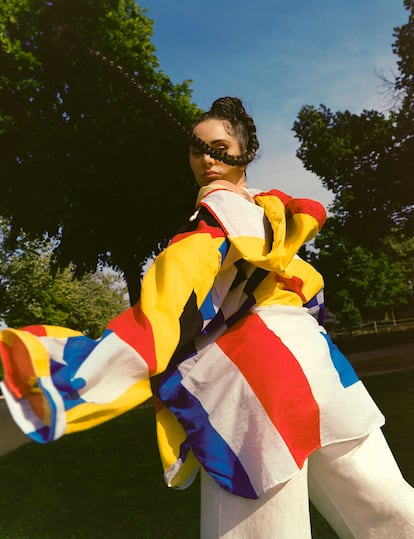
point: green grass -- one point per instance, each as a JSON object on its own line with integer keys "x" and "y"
{"x": 107, "y": 482}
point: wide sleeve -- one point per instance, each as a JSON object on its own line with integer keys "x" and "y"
{"x": 58, "y": 381}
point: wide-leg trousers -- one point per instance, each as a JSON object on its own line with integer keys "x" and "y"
{"x": 356, "y": 485}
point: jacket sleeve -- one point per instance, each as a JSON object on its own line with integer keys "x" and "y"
{"x": 58, "y": 381}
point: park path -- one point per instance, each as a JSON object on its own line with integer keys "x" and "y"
{"x": 382, "y": 361}
{"x": 11, "y": 436}
{"x": 391, "y": 359}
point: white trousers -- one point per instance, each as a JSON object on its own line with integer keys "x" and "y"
{"x": 357, "y": 486}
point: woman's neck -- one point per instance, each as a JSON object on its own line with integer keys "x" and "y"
{"x": 239, "y": 189}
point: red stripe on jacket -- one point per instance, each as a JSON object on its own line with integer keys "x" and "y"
{"x": 278, "y": 381}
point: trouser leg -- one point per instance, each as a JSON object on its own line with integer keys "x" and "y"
{"x": 359, "y": 489}
{"x": 281, "y": 513}
{"x": 323, "y": 503}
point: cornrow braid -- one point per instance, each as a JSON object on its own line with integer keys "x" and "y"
{"x": 155, "y": 99}
{"x": 231, "y": 109}
{"x": 227, "y": 108}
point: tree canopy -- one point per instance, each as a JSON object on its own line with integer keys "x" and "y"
{"x": 86, "y": 156}
{"x": 365, "y": 250}
{"x": 34, "y": 291}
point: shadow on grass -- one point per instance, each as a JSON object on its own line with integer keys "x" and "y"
{"x": 107, "y": 482}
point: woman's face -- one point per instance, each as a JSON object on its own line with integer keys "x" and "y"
{"x": 207, "y": 169}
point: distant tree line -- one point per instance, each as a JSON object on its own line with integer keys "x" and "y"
{"x": 33, "y": 290}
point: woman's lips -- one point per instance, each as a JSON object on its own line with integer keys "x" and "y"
{"x": 210, "y": 174}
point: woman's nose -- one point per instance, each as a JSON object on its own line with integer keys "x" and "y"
{"x": 208, "y": 159}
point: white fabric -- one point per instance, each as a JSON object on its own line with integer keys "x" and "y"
{"x": 282, "y": 513}
{"x": 356, "y": 485}
{"x": 346, "y": 412}
{"x": 276, "y": 399}
{"x": 269, "y": 453}
{"x": 360, "y": 483}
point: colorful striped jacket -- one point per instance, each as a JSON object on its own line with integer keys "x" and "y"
{"x": 224, "y": 314}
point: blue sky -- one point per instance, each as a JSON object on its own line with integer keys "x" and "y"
{"x": 277, "y": 56}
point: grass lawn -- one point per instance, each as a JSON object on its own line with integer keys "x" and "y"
{"x": 107, "y": 482}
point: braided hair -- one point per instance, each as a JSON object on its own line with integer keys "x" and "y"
{"x": 231, "y": 110}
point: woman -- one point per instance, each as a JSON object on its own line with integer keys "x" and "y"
{"x": 253, "y": 390}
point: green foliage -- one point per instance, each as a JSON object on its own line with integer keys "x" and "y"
{"x": 365, "y": 249}
{"x": 32, "y": 291}
{"x": 404, "y": 48}
{"x": 360, "y": 284}
{"x": 84, "y": 154}
{"x": 352, "y": 155}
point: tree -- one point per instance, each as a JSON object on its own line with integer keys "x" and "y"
{"x": 351, "y": 155}
{"x": 85, "y": 155}
{"x": 404, "y": 87}
{"x": 361, "y": 285}
{"x": 366, "y": 161}
{"x": 33, "y": 291}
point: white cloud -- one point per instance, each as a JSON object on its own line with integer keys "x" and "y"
{"x": 278, "y": 168}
